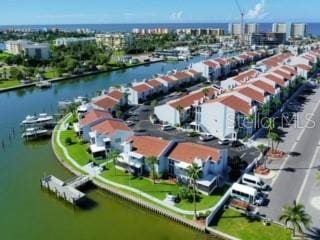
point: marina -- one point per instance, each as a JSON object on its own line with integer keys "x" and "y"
{"x": 33, "y": 159}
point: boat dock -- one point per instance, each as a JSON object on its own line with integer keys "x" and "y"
{"x": 66, "y": 190}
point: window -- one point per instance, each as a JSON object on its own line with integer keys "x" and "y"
{"x": 118, "y": 140}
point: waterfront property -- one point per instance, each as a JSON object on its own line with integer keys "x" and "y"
{"x": 40, "y": 51}
{"x": 108, "y": 134}
{"x": 183, "y": 110}
{"x": 174, "y": 158}
{"x": 232, "y": 110}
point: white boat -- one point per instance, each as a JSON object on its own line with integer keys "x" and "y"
{"x": 43, "y": 118}
{"x": 35, "y": 133}
{"x": 30, "y": 119}
{"x": 43, "y": 84}
{"x": 80, "y": 100}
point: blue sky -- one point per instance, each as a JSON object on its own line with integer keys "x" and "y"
{"x": 154, "y": 11}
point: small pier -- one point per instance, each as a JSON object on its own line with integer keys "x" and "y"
{"x": 66, "y": 190}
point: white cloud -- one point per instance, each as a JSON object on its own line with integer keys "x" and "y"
{"x": 258, "y": 11}
{"x": 176, "y": 15}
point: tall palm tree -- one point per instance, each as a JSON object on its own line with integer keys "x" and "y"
{"x": 318, "y": 178}
{"x": 151, "y": 162}
{"x": 194, "y": 173}
{"x": 296, "y": 216}
{"x": 114, "y": 155}
{"x": 270, "y": 125}
{"x": 275, "y": 139}
{"x": 179, "y": 108}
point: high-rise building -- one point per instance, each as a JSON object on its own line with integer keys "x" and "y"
{"x": 234, "y": 29}
{"x": 298, "y": 30}
{"x": 29, "y": 49}
{"x": 279, "y": 28}
{"x": 251, "y": 28}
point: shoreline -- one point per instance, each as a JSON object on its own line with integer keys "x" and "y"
{"x": 139, "y": 202}
{"x": 85, "y": 74}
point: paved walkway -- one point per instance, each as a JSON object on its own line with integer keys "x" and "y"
{"x": 62, "y": 127}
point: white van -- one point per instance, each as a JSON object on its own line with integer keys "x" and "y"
{"x": 253, "y": 181}
{"x": 244, "y": 193}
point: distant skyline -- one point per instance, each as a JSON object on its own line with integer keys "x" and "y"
{"x": 13, "y": 12}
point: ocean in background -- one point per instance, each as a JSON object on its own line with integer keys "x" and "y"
{"x": 312, "y": 28}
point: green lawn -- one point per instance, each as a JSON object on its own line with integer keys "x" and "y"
{"x": 240, "y": 226}
{"x": 51, "y": 74}
{"x": 4, "y": 56}
{"x": 9, "y": 83}
{"x": 77, "y": 150}
{"x": 159, "y": 190}
{"x": 206, "y": 201}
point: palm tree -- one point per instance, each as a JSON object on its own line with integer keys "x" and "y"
{"x": 179, "y": 108}
{"x": 296, "y": 216}
{"x": 262, "y": 149}
{"x": 151, "y": 161}
{"x": 194, "y": 173}
{"x": 114, "y": 155}
{"x": 275, "y": 138}
{"x": 205, "y": 92}
{"x": 270, "y": 125}
{"x": 318, "y": 178}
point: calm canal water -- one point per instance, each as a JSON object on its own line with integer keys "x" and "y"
{"x": 29, "y": 213}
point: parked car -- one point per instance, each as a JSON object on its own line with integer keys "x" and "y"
{"x": 167, "y": 127}
{"x": 224, "y": 141}
{"x": 235, "y": 144}
{"x": 139, "y": 130}
{"x": 130, "y": 123}
{"x": 206, "y": 137}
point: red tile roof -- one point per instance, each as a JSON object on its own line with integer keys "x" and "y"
{"x": 141, "y": 88}
{"x": 167, "y": 79}
{"x": 283, "y": 74}
{"x": 154, "y": 83}
{"x": 276, "y": 79}
{"x": 252, "y": 93}
{"x": 149, "y": 146}
{"x": 221, "y": 61}
{"x": 304, "y": 67}
{"x": 236, "y": 104}
{"x": 105, "y": 102}
{"x": 194, "y": 72}
{"x": 277, "y": 59}
{"x": 246, "y": 76}
{"x": 110, "y": 126}
{"x": 211, "y": 64}
{"x": 187, "y": 152}
{"x": 289, "y": 69}
{"x": 94, "y": 115}
{"x": 190, "y": 99}
{"x": 181, "y": 75}
{"x": 116, "y": 94}
{"x": 264, "y": 86}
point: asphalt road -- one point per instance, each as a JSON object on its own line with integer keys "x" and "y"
{"x": 295, "y": 178}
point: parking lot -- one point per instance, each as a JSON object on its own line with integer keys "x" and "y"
{"x": 141, "y": 124}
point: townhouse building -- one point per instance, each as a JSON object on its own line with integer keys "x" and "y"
{"x": 174, "y": 158}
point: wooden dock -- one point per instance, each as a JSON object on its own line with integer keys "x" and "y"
{"x": 66, "y": 190}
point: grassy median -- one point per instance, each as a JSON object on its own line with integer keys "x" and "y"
{"x": 239, "y": 225}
